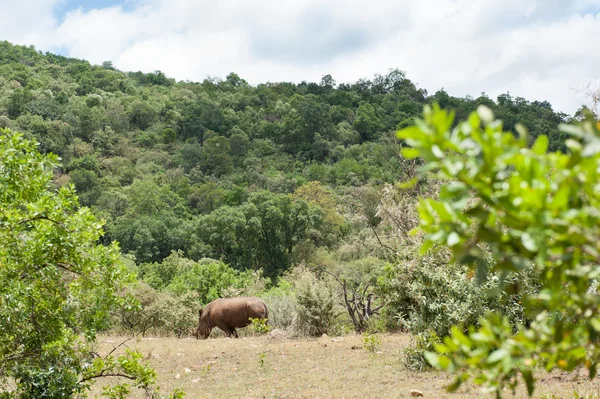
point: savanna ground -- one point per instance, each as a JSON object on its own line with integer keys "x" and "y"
{"x": 327, "y": 367}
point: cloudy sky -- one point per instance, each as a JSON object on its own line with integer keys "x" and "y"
{"x": 537, "y": 49}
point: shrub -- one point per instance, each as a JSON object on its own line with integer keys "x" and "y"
{"x": 533, "y": 209}
{"x": 157, "y": 312}
{"x": 371, "y": 342}
{"x": 160, "y": 274}
{"x": 281, "y": 302}
{"x": 316, "y": 304}
{"x": 210, "y": 279}
{"x": 432, "y": 294}
{"x": 413, "y": 356}
{"x": 260, "y": 326}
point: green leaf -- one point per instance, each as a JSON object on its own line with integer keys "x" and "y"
{"x": 529, "y": 242}
{"x": 453, "y": 239}
{"x": 595, "y": 323}
{"x": 529, "y": 381}
{"x": 437, "y": 152}
{"x": 577, "y": 353}
{"x": 455, "y": 385}
{"x": 410, "y": 153}
{"x": 458, "y": 335}
{"x": 486, "y": 114}
{"x": 408, "y": 184}
{"x": 541, "y": 145}
{"x": 432, "y": 358}
{"x": 593, "y": 369}
{"x": 522, "y": 130}
{"x": 572, "y": 130}
{"x": 497, "y": 355}
{"x": 592, "y": 148}
{"x": 411, "y": 132}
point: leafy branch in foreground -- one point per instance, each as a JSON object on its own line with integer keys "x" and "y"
{"x": 58, "y": 284}
{"x": 530, "y": 208}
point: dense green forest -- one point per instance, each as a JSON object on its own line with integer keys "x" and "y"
{"x": 308, "y": 195}
{"x": 257, "y": 176}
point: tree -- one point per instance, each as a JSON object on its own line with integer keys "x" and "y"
{"x": 307, "y": 117}
{"x": 16, "y": 103}
{"x": 316, "y": 194}
{"x": 358, "y": 299}
{"x": 367, "y": 122}
{"x": 531, "y": 209}
{"x": 141, "y": 114}
{"x": 262, "y": 233}
{"x": 58, "y": 284}
{"x": 216, "y": 156}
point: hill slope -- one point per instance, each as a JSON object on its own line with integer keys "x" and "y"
{"x": 221, "y": 168}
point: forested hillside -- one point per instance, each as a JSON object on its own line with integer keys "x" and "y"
{"x": 311, "y": 196}
{"x": 257, "y": 176}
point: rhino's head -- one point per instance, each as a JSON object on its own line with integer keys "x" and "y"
{"x": 203, "y": 330}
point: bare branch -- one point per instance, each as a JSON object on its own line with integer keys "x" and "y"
{"x": 117, "y": 347}
{"x": 379, "y": 240}
{"x": 321, "y": 268}
{"x": 102, "y": 374}
{"x": 68, "y": 267}
{"x": 41, "y": 217}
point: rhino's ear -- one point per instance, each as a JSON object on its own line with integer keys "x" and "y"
{"x": 200, "y": 312}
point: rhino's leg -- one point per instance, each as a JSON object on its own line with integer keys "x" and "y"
{"x": 225, "y": 328}
{"x": 235, "y": 333}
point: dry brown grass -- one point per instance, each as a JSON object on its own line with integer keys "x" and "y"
{"x": 328, "y": 367}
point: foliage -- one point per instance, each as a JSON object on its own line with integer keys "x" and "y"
{"x": 261, "y": 233}
{"x": 160, "y": 159}
{"x": 530, "y": 208}
{"x": 282, "y": 306}
{"x": 430, "y": 294}
{"x": 209, "y": 278}
{"x": 157, "y": 312}
{"x": 58, "y": 285}
{"x": 413, "y": 356}
{"x": 359, "y": 300}
{"x": 316, "y": 304}
{"x": 260, "y": 326}
{"x": 371, "y": 342}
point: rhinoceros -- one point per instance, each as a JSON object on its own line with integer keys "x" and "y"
{"x": 229, "y": 314}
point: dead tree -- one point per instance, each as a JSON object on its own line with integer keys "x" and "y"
{"x": 358, "y": 301}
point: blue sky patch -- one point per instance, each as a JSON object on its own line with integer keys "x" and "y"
{"x": 87, "y": 5}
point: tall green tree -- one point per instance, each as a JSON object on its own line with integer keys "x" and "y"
{"x": 58, "y": 285}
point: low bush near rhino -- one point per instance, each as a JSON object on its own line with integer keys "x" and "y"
{"x": 282, "y": 305}
{"x": 316, "y": 304}
{"x": 260, "y": 326}
{"x": 159, "y": 313}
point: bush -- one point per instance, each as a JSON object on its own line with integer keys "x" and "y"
{"x": 260, "y": 326}
{"x": 282, "y": 306}
{"x": 160, "y": 275}
{"x": 210, "y": 279}
{"x": 413, "y": 356}
{"x": 158, "y": 312}
{"x": 530, "y": 208}
{"x": 316, "y": 304}
{"x": 371, "y": 342}
{"x": 431, "y": 294}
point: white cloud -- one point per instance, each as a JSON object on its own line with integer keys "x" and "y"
{"x": 28, "y": 22}
{"x": 539, "y": 50}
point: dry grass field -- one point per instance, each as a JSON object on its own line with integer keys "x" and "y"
{"x": 328, "y": 367}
